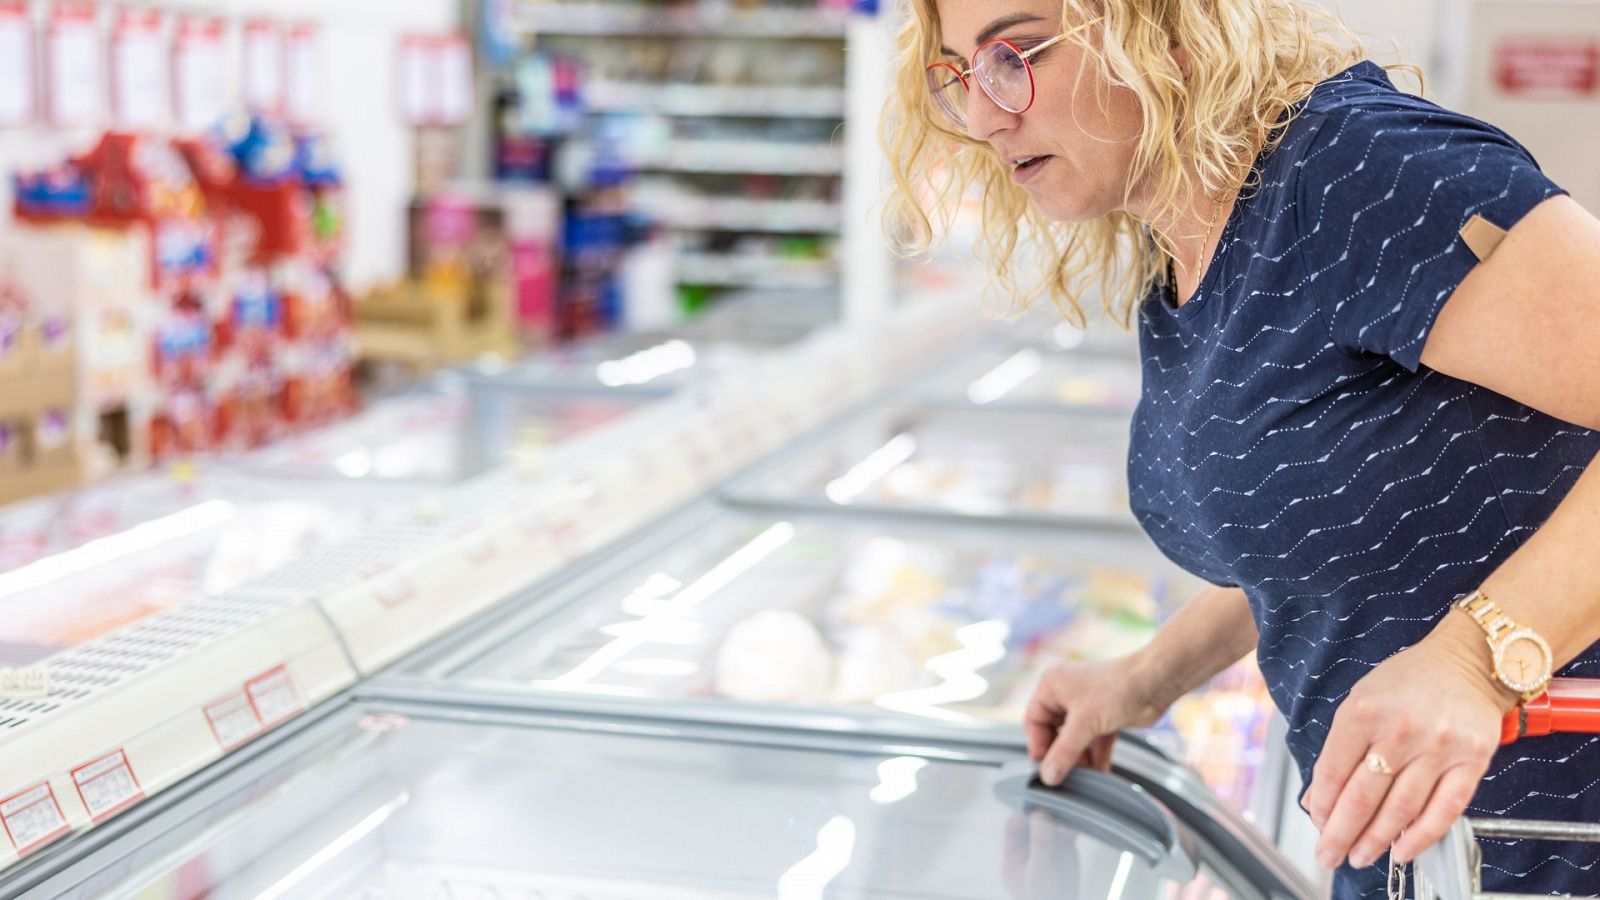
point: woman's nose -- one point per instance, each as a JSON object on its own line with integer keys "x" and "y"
{"x": 984, "y": 116}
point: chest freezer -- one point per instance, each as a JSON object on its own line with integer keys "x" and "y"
{"x": 909, "y": 628}
{"x": 1035, "y": 467}
{"x": 1039, "y": 375}
{"x": 399, "y": 801}
{"x": 441, "y": 434}
{"x": 85, "y": 563}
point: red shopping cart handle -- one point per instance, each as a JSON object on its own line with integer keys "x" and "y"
{"x": 1568, "y": 706}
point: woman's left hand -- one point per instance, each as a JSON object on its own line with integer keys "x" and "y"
{"x": 1433, "y": 715}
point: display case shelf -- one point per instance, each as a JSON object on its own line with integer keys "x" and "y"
{"x": 602, "y": 19}
{"x": 715, "y": 100}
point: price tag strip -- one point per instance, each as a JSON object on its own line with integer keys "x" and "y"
{"x": 233, "y": 720}
{"x": 273, "y": 696}
{"x": 107, "y": 786}
{"x": 32, "y": 818}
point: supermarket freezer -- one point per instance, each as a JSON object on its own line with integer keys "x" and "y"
{"x": 1041, "y": 468}
{"x": 440, "y": 434}
{"x": 898, "y": 628}
{"x": 422, "y": 801}
{"x": 82, "y": 564}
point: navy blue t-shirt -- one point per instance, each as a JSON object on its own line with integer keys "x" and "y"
{"x": 1289, "y": 441}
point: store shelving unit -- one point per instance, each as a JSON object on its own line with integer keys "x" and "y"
{"x": 749, "y": 183}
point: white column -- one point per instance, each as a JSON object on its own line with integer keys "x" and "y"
{"x": 868, "y": 265}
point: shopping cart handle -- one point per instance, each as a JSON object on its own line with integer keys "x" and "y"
{"x": 1568, "y": 706}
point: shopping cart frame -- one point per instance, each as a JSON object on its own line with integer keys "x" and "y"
{"x": 1451, "y": 869}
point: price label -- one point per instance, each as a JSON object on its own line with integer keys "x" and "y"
{"x": 263, "y": 65}
{"x": 16, "y": 64}
{"x": 418, "y": 81}
{"x": 233, "y": 720}
{"x": 32, "y": 818}
{"x": 107, "y": 786}
{"x": 199, "y": 67}
{"x": 454, "y": 67}
{"x": 139, "y": 64}
{"x": 73, "y": 63}
{"x": 273, "y": 696}
{"x": 304, "y": 76}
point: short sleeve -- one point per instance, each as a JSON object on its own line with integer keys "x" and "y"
{"x": 1382, "y": 194}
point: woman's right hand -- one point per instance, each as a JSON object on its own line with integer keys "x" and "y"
{"x": 1077, "y": 709}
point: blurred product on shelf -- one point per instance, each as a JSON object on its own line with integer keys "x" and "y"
{"x": 200, "y": 276}
{"x": 481, "y": 281}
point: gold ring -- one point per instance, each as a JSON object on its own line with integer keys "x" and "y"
{"x": 1377, "y": 765}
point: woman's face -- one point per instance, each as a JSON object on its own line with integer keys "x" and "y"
{"x": 1084, "y": 129}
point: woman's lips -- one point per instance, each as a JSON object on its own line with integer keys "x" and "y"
{"x": 1028, "y": 171}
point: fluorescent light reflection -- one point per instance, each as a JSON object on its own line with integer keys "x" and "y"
{"x": 646, "y": 365}
{"x": 897, "y": 779}
{"x": 659, "y": 619}
{"x": 809, "y": 878}
{"x": 1006, "y": 377}
{"x": 335, "y": 847}
{"x": 140, "y": 538}
{"x": 1119, "y": 882}
{"x": 982, "y": 644}
{"x": 878, "y": 464}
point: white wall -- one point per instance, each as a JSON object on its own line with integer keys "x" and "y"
{"x": 358, "y": 43}
{"x": 1421, "y": 35}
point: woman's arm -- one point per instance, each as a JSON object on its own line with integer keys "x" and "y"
{"x": 1077, "y": 708}
{"x": 1524, "y": 323}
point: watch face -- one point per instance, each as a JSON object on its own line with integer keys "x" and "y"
{"x": 1522, "y": 661}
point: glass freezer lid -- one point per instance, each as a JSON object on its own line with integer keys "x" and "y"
{"x": 930, "y": 625}
{"x": 378, "y": 803}
{"x": 443, "y": 434}
{"x": 114, "y": 554}
{"x": 1033, "y": 466}
{"x": 1039, "y": 376}
{"x": 657, "y": 362}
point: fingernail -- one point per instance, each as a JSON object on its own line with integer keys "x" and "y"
{"x": 1326, "y": 859}
{"x": 1360, "y": 860}
{"x": 1051, "y": 775}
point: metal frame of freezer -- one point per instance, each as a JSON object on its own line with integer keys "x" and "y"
{"x": 1156, "y": 816}
{"x": 752, "y": 490}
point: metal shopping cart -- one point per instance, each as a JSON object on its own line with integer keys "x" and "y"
{"x": 1450, "y": 869}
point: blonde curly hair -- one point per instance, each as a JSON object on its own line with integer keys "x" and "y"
{"x": 1250, "y": 62}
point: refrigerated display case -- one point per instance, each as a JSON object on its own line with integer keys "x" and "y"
{"x": 442, "y": 434}
{"x": 898, "y": 628}
{"x": 85, "y": 563}
{"x": 418, "y": 801}
{"x": 1039, "y": 376}
{"x": 1023, "y": 467}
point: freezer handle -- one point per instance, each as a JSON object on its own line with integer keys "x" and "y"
{"x": 1110, "y": 809}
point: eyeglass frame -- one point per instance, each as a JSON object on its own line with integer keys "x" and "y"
{"x": 1024, "y": 55}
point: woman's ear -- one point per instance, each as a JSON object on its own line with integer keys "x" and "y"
{"x": 1180, "y": 56}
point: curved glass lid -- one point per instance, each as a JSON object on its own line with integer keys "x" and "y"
{"x": 938, "y": 626}
{"x": 444, "y": 434}
{"x": 1022, "y": 465}
{"x": 89, "y": 562}
{"x": 1044, "y": 376}
{"x": 378, "y": 805}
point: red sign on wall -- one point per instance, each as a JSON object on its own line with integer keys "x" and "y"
{"x": 1554, "y": 68}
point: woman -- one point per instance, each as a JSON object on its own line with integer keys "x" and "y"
{"x": 1369, "y": 330}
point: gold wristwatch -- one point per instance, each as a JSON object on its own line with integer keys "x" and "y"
{"x": 1522, "y": 659}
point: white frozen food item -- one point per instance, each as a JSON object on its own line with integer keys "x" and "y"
{"x": 874, "y": 662}
{"x": 774, "y": 656}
